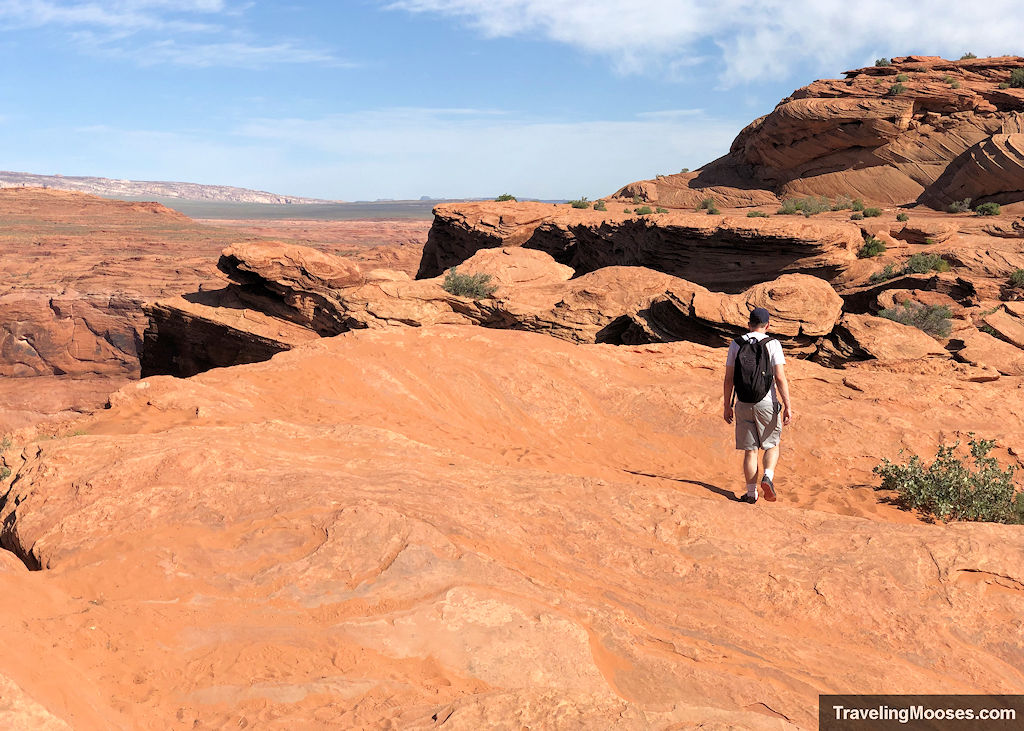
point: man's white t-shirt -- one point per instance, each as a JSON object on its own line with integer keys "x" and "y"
{"x": 775, "y": 355}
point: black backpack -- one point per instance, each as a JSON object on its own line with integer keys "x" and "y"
{"x": 753, "y": 375}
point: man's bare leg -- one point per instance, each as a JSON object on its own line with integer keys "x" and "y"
{"x": 771, "y": 458}
{"x": 750, "y": 471}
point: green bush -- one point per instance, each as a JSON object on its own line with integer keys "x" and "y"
{"x": 636, "y": 200}
{"x": 955, "y": 84}
{"x": 808, "y": 206}
{"x": 476, "y": 286}
{"x": 1017, "y": 278}
{"x": 883, "y": 62}
{"x": 922, "y": 263}
{"x": 644, "y": 210}
{"x": 959, "y": 206}
{"x": 949, "y": 489}
{"x": 902, "y": 77}
{"x": 1004, "y": 85}
{"x": 858, "y": 204}
{"x": 685, "y": 170}
{"x": 600, "y": 206}
{"x": 889, "y": 272}
{"x": 930, "y": 241}
{"x": 505, "y": 197}
{"x": 581, "y": 203}
{"x": 857, "y": 216}
{"x": 1017, "y": 78}
{"x": 842, "y": 203}
{"x": 947, "y": 78}
{"x": 967, "y": 56}
{"x": 932, "y": 319}
{"x": 627, "y": 210}
{"x": 896, "y": 89}
{"x": 872, "y": 212}
{"x": 872, "y": 247}
{"x": 902, "y": 217}
{"x": 707, "y": 203}
{"x": 659, "y": 209}
{"x": 5, "y": 471}
{"x": 756, "y": 214}
{"x": 988, "y": 209}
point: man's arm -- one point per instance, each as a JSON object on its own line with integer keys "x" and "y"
{"x": 727, "y": 394}
{"x": 782, "y": 385}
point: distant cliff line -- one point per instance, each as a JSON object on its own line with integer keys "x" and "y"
{"x": 146, "y": 188}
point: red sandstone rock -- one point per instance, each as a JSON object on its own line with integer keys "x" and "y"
{"x": 391, "y": 526}
{"x": 864, "y": 337}
{"x": 982, "y": 349}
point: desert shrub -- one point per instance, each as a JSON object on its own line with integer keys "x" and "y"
{"x": 883, "y": 62}
{"x": 947, "y": 78}
{"x": 636, "y": 200}
{"x": 858, "y": 216}
{"x": 842, "y": 203}
{"x": 808, "y": 206}
{"x": 902, "y": 77}
{"x": 1004, "y": 85}
{"x": 959, "y": 206}
{"x": 644, "y": 210}
{"x": 756, "y": 214}
{"x": 889, "y": 272}
{"x": 986, "y": 328}
{"x": 600, "y": 206}
{"x": 902, "y": 217}
{"x": 685, "y": 170}
{"x": 1017, "y": 278}
{"x": 706, "y": 204}
{"x": 932, "y": 319}
{"x": 988, "y": 209}
{"x": 955, "y": 84}
{"x": 872, "y": 212}
{"x": 929, "y": 241}
{"x": 659, "y": 209}
{"x": 5, "y": 471}
{"x": 872, "y": 247}
{"x": 967, "y": 56}
{"x": 1017, "y": 78}
{"x": 476, "y": 286}
{"x": 950, "y": 489}
{"x": 858, "y": 204}
{"x": 581, "y": 203}
{"x": 896, "y": 89}
{"x": 627, "y": 210}
{"x": 505, "y": 197}
{"x": 922, "y": 263}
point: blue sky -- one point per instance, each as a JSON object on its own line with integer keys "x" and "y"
{"x": 401, "y": 98}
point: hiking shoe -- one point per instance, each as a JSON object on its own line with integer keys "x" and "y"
{"x": 768, "y": 488}
{"x": 750, "y": 499}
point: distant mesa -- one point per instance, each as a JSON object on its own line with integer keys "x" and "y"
{"x": 110, "y": 188}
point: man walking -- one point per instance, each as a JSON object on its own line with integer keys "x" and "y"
{"x": 755, "y": 374}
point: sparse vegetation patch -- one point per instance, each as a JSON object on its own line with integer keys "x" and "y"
{"x": 988, "y": 209}
{"x": 581, "y": 203}
{"x": 644, "y": 211}
{"x": 951, "y": 488}
{"x": 858, "y": 216}
{"x": 808, "y": 206}
{"x": 883, "y": 62}
{"x": 756, "y": 214}
{"x": 477, "y": 286}
{"x": 902, "y": 217}
{"x": 1017, "y": 278}
{"x": 505, "y": 197}
{"x": 600, "y": 206}
{"x": 922, "y": 263}
{"x": 1017, "y": 78}
{"x": 896, "y": 89}
{"x": 872, "y": 247}
{"x": 959, "y": 206}
{"x": 931, "y": 319}
{"x": 659, "y": 209}
{"x": 902, "y": 77}
{"x": 967, "y": 56}
{"x": 872, "y": 212}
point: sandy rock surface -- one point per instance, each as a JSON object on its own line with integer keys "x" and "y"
{"x": 400, "y": 526}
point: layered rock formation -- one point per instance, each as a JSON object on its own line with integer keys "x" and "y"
{"x": 283, "y": 295}
{"x": 727, "y": 254}
{"x": 920, "y": 130}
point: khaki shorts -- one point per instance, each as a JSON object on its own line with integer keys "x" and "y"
{"x": 758, "y": 426}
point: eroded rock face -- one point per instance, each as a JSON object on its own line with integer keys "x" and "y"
{"x": 865, "y": 337}
{"x": 948, "y": 132}
{"x": 260, "y": 315}
{"x": 726, "y": 254}
{"x": 400, "y": 525}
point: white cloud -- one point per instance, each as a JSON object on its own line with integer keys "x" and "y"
{"x": 756, "y": 39}
{"x": 161, "y": 32}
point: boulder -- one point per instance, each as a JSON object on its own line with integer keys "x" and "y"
{"x": 865, "y": 337}
{"x": 982, "y": 349}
